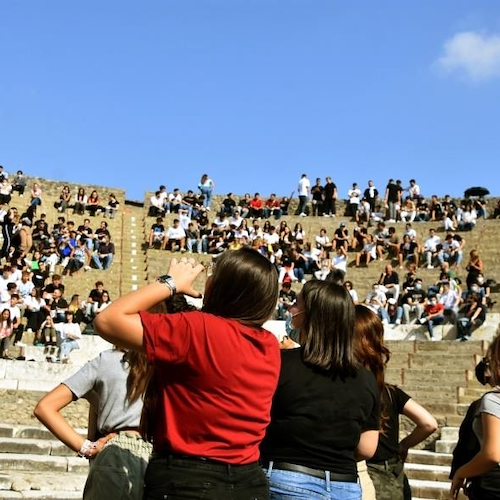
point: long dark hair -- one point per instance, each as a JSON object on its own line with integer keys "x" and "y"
{"x": 141, "y": 381}
{"x": 328, "y": 329}
{"x": 371, "y": 352}
{"x": 243, "y": 287}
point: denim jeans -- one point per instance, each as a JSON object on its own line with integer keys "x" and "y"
{"x": 103, "y": 263}
{"x": 177, "y": 478}
{"x": 66, "y": 346}
{"x": 207, "y": 193}
{"x": 438, "y": 320}
{"x": 289, "y": 485}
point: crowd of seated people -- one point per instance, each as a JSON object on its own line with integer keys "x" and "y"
{"x": 297, "y": 255}
{"x": 447, "y": 299}
{"x": 35, "y": 255}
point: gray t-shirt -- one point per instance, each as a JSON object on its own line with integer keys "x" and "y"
{"x": 490, "y": 404}
{"x": 103, "y": 381}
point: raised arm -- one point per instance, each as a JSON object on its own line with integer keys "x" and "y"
{"x": 120, "y": 323}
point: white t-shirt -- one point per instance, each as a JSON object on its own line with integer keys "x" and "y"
{"x": 354, "y": 195}
{"x": 175, "y": 233}
{"x": 68, "y": 330}
{"x": 271, "y": 239}
{"x": 304, "y": 187}
{"x": 431, "y": 243}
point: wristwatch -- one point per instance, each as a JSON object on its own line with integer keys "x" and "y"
{"x": 166, "y": 279}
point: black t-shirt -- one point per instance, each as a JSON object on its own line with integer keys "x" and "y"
{"x": 289, "y": 297}
{"x": 388, "y": 441}
{"x": 317, "y": 193}
{"x": 158, "y": 228}
{"x": 316, "y": 420}
{"x": 51, "y": 287}
{"x": 392, "y": 279}
{"x": 329, "y": 189}
{"x": 417, "y": 296}
{"x": 393, "y": 191}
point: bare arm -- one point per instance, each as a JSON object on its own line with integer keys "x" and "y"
{"x": 487, "y": 458}
{"x": 48, "y": 412}
{"x": 425, "y": 425}
{"x": 120, "y": 323}
{"x": 367, "y": 446}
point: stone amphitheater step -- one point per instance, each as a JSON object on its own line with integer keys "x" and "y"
{"x": 447, "y": 446}
{"x": 436, "y": 490}
{"x": 426, "y": 472}
{"x": 40, "y": 495}
{"x": 42, "y": 463}
{"x": 35, "y": 446}
{"x": 424, "y": 359}
{"x": 428, "y": 458}
{"x": 30, "y": 432}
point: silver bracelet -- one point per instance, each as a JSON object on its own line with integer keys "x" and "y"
{"x": 169, "y": 281}
{"x": 87, "y": 446}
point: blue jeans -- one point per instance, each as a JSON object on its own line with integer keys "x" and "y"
{"x": 103, "y": 263}
{"x": 207, "y": 193}
{"x": 289, "y": 485}
{"x": 66, "y": 346}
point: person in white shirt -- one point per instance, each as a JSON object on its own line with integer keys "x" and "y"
{"x": 174, "y": 201}
{"x": 354, "y": 194}
{"x": 323, "y": 242}
{"x": 175, "y": 235}
{"x": 184, "y": 219}
{"x": 156, "y": 208}
{"x": 414, "y": 190}
{"x": 68, "y": 334}
{"x": 272, "y": 237}
{"x": 431, "y": 248}
{"x": 236, "y": 220}
{"x": 375, "y": 294}
{"x": 304, "y": 191}
{"x": 410, "y": 232}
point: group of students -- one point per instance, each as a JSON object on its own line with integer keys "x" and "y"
{"x": 229, "y": 415}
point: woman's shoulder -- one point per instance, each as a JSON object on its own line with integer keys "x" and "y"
{"x": 490, "y": 403}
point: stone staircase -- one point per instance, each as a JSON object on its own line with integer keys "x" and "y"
{"x": 438, "y": 375}
{"x": 35, "y": 465}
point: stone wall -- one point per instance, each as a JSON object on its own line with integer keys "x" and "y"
{"x": 17, "y": 408}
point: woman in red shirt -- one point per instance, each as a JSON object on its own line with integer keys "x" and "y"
{"x": 216, "y": 371}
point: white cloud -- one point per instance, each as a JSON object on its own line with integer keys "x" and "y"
{"x": 471, "y": 54}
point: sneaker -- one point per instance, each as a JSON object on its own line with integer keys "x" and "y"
{"x": 302, "y": 214}
{"x": 430, "y": 267}
{"x": 434, "y": 339}
{"x": 398, "y": 322}
{"x": 326, "y": 215}
{"x": 87, "y": 268}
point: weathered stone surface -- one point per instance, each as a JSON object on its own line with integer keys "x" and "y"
{"x": 17, "y": 408}
{"x": 12, "y": 461}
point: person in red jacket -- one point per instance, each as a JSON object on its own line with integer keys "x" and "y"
{"x": 433, "y": 315}
{"x": 256, "y": 206}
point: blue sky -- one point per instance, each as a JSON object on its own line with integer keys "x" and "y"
{"x": 252, "y": 92}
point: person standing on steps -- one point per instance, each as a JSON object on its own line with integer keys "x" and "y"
{"x": 304, "y": 192}
{"x": 216, "y": 371}
{"x": 118, "y": 454}
{"x": 206, "y": 187}
{"x": 330, "y": 193}
{"x": 386, "y": 466}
